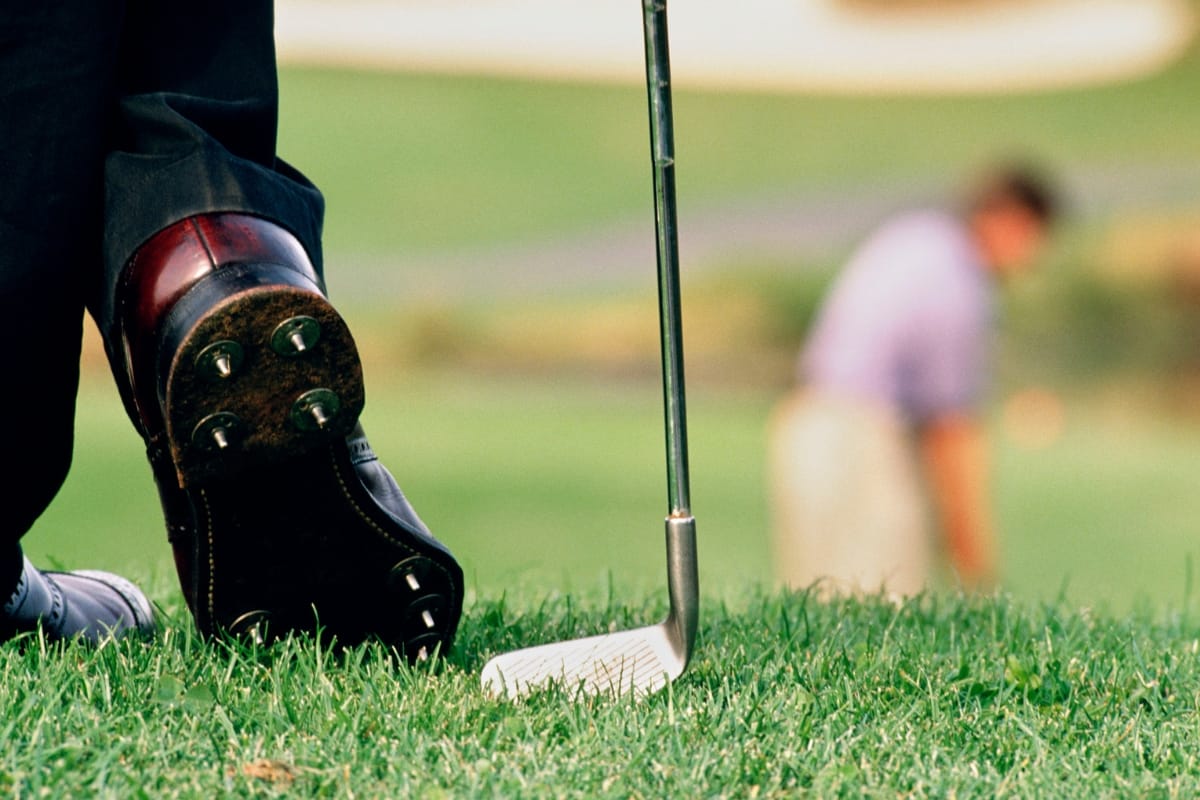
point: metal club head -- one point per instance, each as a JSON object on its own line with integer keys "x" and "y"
{"x": 637, "y": 662}
{"x": 640, "y": 662}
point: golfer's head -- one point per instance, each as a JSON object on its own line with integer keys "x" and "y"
{"x": 1010, "y": 212}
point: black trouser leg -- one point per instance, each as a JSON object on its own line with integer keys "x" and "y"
{"x": 196, "y": 129}
{"x": 116, "y": 119}
{"x": 56, "y": 78}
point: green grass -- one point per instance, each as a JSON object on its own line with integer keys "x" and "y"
{"x": 1107, "y": 511}
{"x": 943, "y": 697}
{"x": 419, "y": 162}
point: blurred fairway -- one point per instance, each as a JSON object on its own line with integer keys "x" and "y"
{"x": 420, "y": 162}
{"x": 551, "y": 474}
{"x": 550, "y": 486}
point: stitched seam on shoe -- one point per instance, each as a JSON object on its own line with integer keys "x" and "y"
{"x": 212, "y": 613}
{"x": 337, "y": 471}
{"x": 56, "y": 619}
{"x": 22, "y": 590}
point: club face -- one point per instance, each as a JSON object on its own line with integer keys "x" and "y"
{"x": 638, "y": 662}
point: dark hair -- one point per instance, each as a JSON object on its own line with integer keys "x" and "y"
{"x": 1019, "y": 185}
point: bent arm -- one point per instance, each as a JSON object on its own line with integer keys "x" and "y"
{"x": 954, "y": 452}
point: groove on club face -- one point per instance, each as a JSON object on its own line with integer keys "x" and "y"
{"x": 640, "y": 662}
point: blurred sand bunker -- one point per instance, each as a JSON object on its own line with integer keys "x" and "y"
{"x": 808, "y": 45}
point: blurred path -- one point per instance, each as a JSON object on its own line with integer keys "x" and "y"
{"x": 782, "y": 228}
{"x": 778, "y": 44}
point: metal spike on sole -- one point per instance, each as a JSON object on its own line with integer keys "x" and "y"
{"x": 295, "y": 336}
{"x": 317, "y": 412}
{"x": 219, "y": 360}
{"x": 315, "y": 409}
{"x": 216, "y": 431}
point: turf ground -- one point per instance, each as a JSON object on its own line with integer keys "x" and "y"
{"x": 786, "y": 698}
{"x": 547, "y": 479}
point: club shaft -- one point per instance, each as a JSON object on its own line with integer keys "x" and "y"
{"x": 662, "y": 148}
{"x": 596, "y": 661}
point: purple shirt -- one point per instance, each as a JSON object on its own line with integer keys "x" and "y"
{"x": 908, "y": 322}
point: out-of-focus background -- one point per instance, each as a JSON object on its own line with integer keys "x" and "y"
{"x": 489, "y": 236}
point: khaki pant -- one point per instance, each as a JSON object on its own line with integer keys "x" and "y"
{"x": 848, "y": 509}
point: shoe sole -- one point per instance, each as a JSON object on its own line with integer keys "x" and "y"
{"x": 288, "y": 539}
{"x": 257, "y": 408}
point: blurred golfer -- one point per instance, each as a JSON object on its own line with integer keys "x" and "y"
{"x": 878, "y": 460}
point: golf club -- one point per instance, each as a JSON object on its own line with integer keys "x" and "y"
{"x": 644, "y": 660}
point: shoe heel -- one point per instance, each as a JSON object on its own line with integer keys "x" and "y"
{"x": 254, "y": 368}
